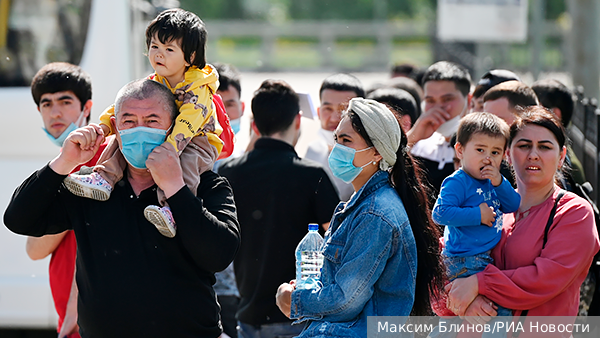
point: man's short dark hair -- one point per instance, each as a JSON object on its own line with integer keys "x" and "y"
{"x": 409, "y": 71}
{"x": 403, "y": 69}
{"x": 275, "y": 105}
{"x": 449, "y": 71}
{"x": 343, "y": 82}
{"x": 401, "y": 101}
{"x": 482, "y": 123}
{"x": 61, "y": 77}
{"x": 410, "y": 86}
{"x": 228, "y": 76}
{"x": 554, "y": 94}
{"x": 517, "y": 93}
{"x": 174, "y": 24}
{"x": 143, "y": 89}
{"x": 492, "y": 78}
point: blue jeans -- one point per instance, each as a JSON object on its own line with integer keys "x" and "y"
{"x": 460, "y": 267}
{"x": 276, "y": 330}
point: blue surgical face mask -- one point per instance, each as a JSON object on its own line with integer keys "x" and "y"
{"x": 235, "y": 125}
{"x": 340, "y": 162}
{"x": 137, "y": 143}
{"x": 58, "y": 141}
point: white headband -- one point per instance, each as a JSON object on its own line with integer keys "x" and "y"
{"x": 382, "y": 127}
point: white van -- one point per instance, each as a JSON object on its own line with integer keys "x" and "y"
{"x": 106, "y": 38}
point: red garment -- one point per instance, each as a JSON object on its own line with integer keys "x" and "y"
{"x": 227, "y": 135}
{"x": 545, "y": 282}
{"x": 61, "y": 270}
{"x": 62, "y": 263}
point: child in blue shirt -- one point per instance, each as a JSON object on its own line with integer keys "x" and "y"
{"x": 473, "y": 199}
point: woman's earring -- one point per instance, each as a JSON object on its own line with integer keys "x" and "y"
{"x": 374, "y": 163}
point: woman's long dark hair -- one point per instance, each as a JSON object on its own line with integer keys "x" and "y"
{"x": 406, "y": 177}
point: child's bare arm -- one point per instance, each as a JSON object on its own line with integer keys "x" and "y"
{"x": 105, "y": 120}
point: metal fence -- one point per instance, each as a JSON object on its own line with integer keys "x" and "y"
{"x": 370, "y": 46}
{"x": 585, "y": 138}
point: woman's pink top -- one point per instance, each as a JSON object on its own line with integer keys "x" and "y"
{"x": 545, "y": 282}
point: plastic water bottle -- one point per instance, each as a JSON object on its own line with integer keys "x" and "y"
{"x": 309, "y": 259}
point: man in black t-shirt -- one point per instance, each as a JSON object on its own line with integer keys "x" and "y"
{"x": 278, "y": 194}
{"x": 134, "y": 282}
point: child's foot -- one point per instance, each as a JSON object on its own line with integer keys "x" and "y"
{"x": 162, "y": 218}
{"x": 91, "y": 186}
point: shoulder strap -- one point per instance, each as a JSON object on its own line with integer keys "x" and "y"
{"x": 551, "y": 217}
{"x": 548, "y": 224}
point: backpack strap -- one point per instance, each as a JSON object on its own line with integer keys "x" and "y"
{"x": 561, "y": 193}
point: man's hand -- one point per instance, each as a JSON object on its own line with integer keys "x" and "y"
{"x": 80, "y": 146}
{"x": 427, "y": 124}
{"x": 488, "y": 216}
{"x": 283, "y": 298}
{"x": 163, "y": 164}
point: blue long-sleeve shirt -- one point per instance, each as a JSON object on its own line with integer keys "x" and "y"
{"x": 457, "y": 207}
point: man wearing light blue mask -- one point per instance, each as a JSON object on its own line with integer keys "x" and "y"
{"x": 446, "y": 87}
{"x": 64, "y": 106}
{"x": 122, "y": 259}
{"x": 335, "y": 92}
{"x": 231, "y": 91}
{"x": 63, "y": 96}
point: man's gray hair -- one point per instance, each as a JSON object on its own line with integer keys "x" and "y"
{"x": 146, "y": 88}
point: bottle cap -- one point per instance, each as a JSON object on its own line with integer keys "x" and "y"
{"x": 313, "y": 226}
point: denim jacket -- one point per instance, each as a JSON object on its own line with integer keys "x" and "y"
{"x": 370, "y": 265}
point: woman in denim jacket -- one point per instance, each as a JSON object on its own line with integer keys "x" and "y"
{"x": 381, "y": 250}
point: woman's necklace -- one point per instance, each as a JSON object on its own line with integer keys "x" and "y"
{"x": 520, "y": 214}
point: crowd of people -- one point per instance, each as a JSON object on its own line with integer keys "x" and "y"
{"x": 435, "y": 194}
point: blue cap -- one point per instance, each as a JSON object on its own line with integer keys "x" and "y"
{"x": 313, "y": 226}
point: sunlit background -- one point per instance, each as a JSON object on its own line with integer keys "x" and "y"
{"x": 299, "y": 41}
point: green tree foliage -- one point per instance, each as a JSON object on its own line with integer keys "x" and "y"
{"x": 312, "y": 9}
{"x": 332, "y": 9}
{"x": 355, "y": 9}
{"x": 554, "y": 8}
{"x": 215, "y": 9}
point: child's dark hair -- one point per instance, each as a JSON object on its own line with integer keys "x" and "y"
{"x": 407, "y": 178}
{"x": 61, "y": 77}
{"x": 482, "y": 123}
{"x": 175, "y": 24}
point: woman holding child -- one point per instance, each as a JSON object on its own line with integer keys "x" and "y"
{"x": 381, "y": 251}
{"x": 532, "y": 273}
